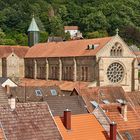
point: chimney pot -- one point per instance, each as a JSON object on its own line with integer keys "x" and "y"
{"x": 113, "y": 131}
{"x": 67, "y": 119}
{"x": 12, "y": 103}
{"x": 7, "y": 88}
{"x": 124, "y": 110}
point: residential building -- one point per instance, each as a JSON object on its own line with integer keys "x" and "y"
{"x": 73, "y": 30}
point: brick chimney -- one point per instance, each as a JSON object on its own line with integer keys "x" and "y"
{"x": 67, "y": 119}
{"x": 12, "y": 103}
{"x": 124, "y": 110}
{"x": 7, "y": 89}
{"x": 113, "y": 131}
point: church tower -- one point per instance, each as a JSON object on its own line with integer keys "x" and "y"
{"x": 33, "y": 33}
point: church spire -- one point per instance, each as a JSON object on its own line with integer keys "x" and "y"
{"x": 33, "y": 26}
{"x": 33, "y": 33}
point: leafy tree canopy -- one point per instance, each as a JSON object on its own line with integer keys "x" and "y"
{"x": 96, "y": 18}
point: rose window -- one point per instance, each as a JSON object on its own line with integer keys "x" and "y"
{"x": 115, "y": 72}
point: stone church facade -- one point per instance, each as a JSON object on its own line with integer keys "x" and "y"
{"x": 102, "y": 62}
{"x": 12, "y": 61}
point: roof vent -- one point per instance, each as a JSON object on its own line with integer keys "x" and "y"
{"x": 12, "y": 103}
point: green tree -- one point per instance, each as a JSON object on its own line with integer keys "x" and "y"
{"x": 96, "y": 34}
{"x": 95, "y": 21}
{"x": 67, "y": 36}
{"x": 56, "y": 26}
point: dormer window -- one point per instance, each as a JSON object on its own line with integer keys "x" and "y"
{"x": 92, "y": 46}
{"x": 116, "y": 50}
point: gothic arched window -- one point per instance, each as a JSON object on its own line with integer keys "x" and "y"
{"x": 116, "y": 50}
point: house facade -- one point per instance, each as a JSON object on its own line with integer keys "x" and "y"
{"x": 102, "y": 62}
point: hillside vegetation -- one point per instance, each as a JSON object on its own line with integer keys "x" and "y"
{"x": 96, "y": 18}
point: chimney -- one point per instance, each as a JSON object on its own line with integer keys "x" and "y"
{"x": 113, "y": 131}
{"x": 12, "y": 103}
{"x": 67, "y": 119}
{"x": 124, "y": 110}
{"x": 7, "y": 88}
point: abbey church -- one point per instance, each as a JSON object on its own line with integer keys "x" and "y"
{"x": 101, "y": 61}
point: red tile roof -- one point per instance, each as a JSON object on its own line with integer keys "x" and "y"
{"x": 29, "y": 121}
{"x": 98, "y": 94}
{"x": 134, "y": 98}
{"x": 83, "y": 127}
{"x": 134, "y": 134}
{"x": 67, "y": 48}
{"x": 1, "y": 134}
{"x": 64, "y": 85}
{"x": 20, "y": 51}
{"x": 131, "y": 125}
{"x": 70, "y": 27}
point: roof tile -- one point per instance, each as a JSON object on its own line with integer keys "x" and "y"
{"x": 28, "y": 121}
{"x": 67, "y": 48}
{"x": 20, "y": 51}
{"x": 58, "y": 104}
{"x": 83, "y": 127}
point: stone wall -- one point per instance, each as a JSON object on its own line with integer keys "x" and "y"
{"x": 127, "y": 80}
{"x": 60, "y": 68}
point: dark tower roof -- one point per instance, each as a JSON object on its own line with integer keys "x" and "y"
{"x": 33, "y": 26}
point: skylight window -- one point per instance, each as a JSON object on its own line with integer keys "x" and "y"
{"x": 53, "y": 92}
{"x": 38, "y": 92}
{"x": 94, "y": 103}
{"x": 120, "y": 101}
{"x": 128, "y": 135}
{"x": 106, "y": 102}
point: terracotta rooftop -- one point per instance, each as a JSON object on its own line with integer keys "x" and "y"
{"x": 67, "y": 48}
{"x": 64, "y": 85}
{"x": 20, "y": 51}
{"x": 29, "y": 121}
{"x": 83, "y": 127}
{"x": 101, "y": 94}
{"x": 1, "y": 134}
{"x": 134, "y": 98}
{"x": 58, "y": 104}
{"x": 70, "y": 27}
{"x": 131, "y": 126}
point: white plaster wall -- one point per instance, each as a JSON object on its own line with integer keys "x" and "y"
{"x": 10, "y": 83}
{"x": 72, "y": 32}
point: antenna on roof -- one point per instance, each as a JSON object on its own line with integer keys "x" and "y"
{"x": 117, "y": 31}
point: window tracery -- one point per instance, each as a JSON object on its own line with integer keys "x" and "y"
{"x": 115, "y": 72}
{"x": 116, "y": 50}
